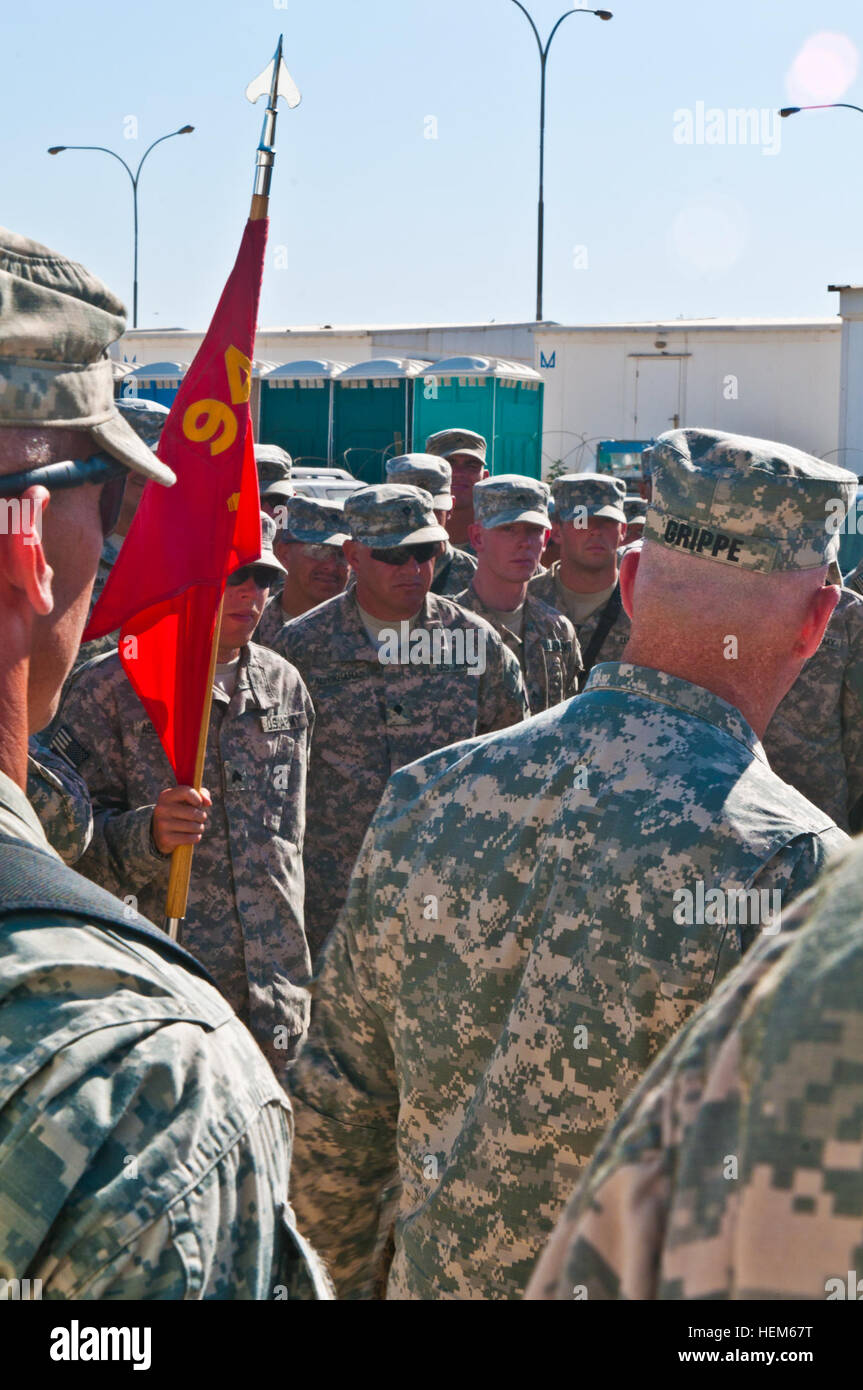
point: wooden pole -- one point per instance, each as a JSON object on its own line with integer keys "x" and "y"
{"x": 181, "y": 857}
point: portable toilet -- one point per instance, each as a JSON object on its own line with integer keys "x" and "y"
{"x": 158, "y": 381}
{"x": 297, "y": 409}
{"x": 372, "y": 410}
{"x": 498, "y": 399}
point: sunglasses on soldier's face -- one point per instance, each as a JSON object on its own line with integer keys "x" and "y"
{"x": 401, "y": 554}
{"x": 262, "y": 575}
{"x": 59, "y": 477}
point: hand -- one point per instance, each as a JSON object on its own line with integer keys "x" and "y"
{"x": 179, "y": 817}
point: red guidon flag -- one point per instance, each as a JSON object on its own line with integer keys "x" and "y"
{"x": 166, "y": 585}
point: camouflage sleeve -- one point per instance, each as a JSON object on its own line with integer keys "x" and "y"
{"x": 502, "y": 693}
{"x": 852, "y": 707}
{"x": 789, "y": 873}
{"x": 345, "y": 1097}
{"x": 575, "y": 662}
{"x": 59, "y": 796}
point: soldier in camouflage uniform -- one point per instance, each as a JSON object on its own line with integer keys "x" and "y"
{"x": 734, "y": 1170}
{"x": 308, "y": 544}
{"x": 815, "y": 738}
{"x": 585, "y": 582}
{"x": 465, "y": 452}
{"x": 508, "y": 535}
{"x": 244, "y": 920}
{"x": 275, "y": 465}
{"x": 394, "y": 672}
{"x": 516, "y": 946}
{"x": 453, "y": 569}
{"x": 59, "y": 796}
{"x": 144, "y": 1143}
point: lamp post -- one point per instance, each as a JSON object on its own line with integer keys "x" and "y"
{"x": 827, "y": 106}
{"x": 59, "y": 149}
{"x": 543, "y": 58}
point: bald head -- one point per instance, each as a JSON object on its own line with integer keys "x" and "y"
{"x": 742, "y": 634}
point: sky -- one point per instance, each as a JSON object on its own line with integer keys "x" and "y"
{"x": 405, "y": 183}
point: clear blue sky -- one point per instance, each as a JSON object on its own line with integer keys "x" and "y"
{"x": 384, "y": 225}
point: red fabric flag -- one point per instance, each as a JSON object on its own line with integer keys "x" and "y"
{"x": 167, "y": 582}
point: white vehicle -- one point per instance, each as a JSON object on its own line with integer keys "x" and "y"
{"x": 329, "y": 484}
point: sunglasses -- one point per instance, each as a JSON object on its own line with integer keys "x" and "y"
{"x": 400, "y": 555}
{"x": 59, "y": 477}
{"x": 262, "y": 575}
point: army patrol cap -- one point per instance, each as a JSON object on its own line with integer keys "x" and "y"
{"x": 57, "y": 322}
{"x": 578, "y": 495}
{"x": 448, "y": 442}
{"x": 390, "y": 515}
{"x": 147, "y": 418}
{"x": 635, "y": 507}
{"x": 314, "y": 522}
{"x": 426, "y": 472}
{"x": 268, "y": 535}
{"x": 274, "y": 464}
{"x": 510, "y": 497}
{"x": 280, "y": 491}
{"x": 745, "y": 502}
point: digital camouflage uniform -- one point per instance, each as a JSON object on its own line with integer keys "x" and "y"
{"x": 303, "y": 521}
{"x": 546, "y": 587}
{"x": 272, "y": 621}
{"x": 59, "y": 796}
{"x": 815, "y": 738}
{"x": 734, "y": 1171}
{"x": 855, "y": 579}
{"x": 512, "y": 954}
{"x": 453, "y": 568}
{"x": 453, "y": 571}
{"x": 373, "y": 717}
{"x": 244, "y": 920}
{"x": 144, "y": 1142}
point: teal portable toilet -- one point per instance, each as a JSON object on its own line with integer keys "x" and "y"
{"x": 372, "y": 410}
{"x": 157, "y": 381}
{"x": 499, "y": 399}
{"x": 297, "y": 409}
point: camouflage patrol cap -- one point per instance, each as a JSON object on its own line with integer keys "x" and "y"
{"x": 312, "y": 521}
{"x": 268, "y": 535}
{"x": 56, "y": 324}
{"x": 635, "y": 507}
{"x": 579, "y": 495}
{"x": 424, "y": 471}
{"x": 278, "y": 492}
{"x": 448, "y": 442}
{"x": 147, "y": 418}
{"x": 274, "y": 464}
{"x": 510, "y": 497}
{"x": 747, "y": 502}
{"x": 391, "y": 515}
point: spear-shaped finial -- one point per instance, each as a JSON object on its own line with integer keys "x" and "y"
{"x": 274, "y": 82}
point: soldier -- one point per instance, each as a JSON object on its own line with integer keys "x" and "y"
{"x": 508, "y": 535}
{"x": 734, "y": 1170}
{"x": 635, "y": 510}
{"x": 526, "y": 925}
{"x": 158, "y": 1167}
{"x": 309, "y": 546}
{"x": 465, "y": 451}
{"x": 394, "y": 672}
{"x": 585, "y": 584}
{"x": 275, "y": 465}
{"x": 815, "y": 738}
{"x": 244, "y": 920}
{"x": 855, "y": 579}
{"x": 59, "y": 796}
{"x": 453, "y": 569}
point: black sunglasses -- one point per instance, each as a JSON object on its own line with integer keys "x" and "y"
{"x": 262, "y": 575}
{"x": 401, "y": 554}
{"x": 58, "y": 477}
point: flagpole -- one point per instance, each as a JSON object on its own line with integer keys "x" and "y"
{"x": 277, "y": 82}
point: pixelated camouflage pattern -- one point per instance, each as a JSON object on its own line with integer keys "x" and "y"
{"x": 855, "y": 580}
{"x": 274, "y": 465}
{"x": 453, "y": 571}
{"x": 446, "y": 442}
{"x": 510, "y": 497}
{"x": 372, "y": 718}
{"x": 245, "y": 913}
{"x": 313, "y": 521}
{"x": 59, "y": 796}
{"x": 511, "y": 891}
{"x": 272, "y": 621}
{"x": 774, "y": 500}
{"x": 392, "y": 514}
{"x": 815, "y": 738}
{"x": 424, "y": 471}
{"x": 547, "y": 652}
{"x": 159, "y": 1167}
{"x": 548, "y": 588}
{"x": 588, "y": 494}
{"x": 146, "y": 417}
{"x": 766, "y": 1078}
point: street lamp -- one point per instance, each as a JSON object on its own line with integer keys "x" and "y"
{"x": 543, "y": 57}
{"x": 792, "y": 110}
{"x": 59, "y": 149}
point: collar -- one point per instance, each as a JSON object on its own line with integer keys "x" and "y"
{"x": 18, "y": 815}
{"x": 256, "y": 685}
{"x": 353, "y": 641}
{"x": 679, "y": 694}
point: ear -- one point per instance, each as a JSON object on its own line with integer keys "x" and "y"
{"x": 628, "y": 571}
{"x": 474, "y": 535}
{"x": 22, "y": 559}
{"x": 820, "y": 611}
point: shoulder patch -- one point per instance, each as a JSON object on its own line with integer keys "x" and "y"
{"x": 65, "y": 743}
